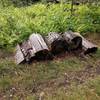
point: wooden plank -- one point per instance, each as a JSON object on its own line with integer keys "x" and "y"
{"x": 19, "y": 57}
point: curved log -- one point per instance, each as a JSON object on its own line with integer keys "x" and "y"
{"x": 56, "y": 43}
{"x": 39, "y": 47}
{"x": 87, "y": 46}
{"x": 35, "y": 47}
{"x": 74, "y": 41}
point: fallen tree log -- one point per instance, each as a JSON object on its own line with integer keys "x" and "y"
{"x": 27, "y": 50}
{"x": 74, "y": 41}
{"x": 40, "y": 48}
{"x": 87, "y": 46}
{"x": 35, "y": 47}
{"x": 56, "y": 43}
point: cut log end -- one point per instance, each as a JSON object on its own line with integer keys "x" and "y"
{"x": 91, "y": 50}
{"x": 56, "y": 43}
{"x": 43, "y": 55}
{"x": 77, "y": 43}
{"x": 74, "y": 41}
{"x": 59, "y": 46}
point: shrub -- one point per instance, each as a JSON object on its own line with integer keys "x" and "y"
{"x": 16, "y": 24}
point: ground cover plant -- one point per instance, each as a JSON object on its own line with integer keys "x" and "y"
{"x": 16, "y": 24}
{"x": 70, "y": 76}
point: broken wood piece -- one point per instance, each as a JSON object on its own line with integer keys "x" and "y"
{"x": 56, "y": 43}
{"x": 87, "y": 46}
{"x": 19, "y": 57}
{"x": 74, "y": 41}
{"x": 27, "y": 50}
{"x": 39, "y": 46}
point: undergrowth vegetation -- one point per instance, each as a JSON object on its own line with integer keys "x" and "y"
{"x": 16, "y": 24}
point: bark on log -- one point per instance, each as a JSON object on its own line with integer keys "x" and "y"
{"x": 39, "y": 46}
{"x": 56, "y": 43}
{"x": 87, "y": 46}
{"x": 35, "y": 47}
{"x": 19, "y": 57}
{"x": 74, "y": 41}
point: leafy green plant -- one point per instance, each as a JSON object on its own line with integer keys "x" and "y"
{"x": 16, "y": 24}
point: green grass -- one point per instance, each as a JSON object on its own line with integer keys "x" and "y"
{"x": 24, "y": 78}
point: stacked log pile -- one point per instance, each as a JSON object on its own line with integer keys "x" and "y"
{"x": 43, "y": 48}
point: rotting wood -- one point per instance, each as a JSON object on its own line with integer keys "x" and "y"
{"x": 39, "y": 46}
{"x": 34, "y": 48}
{"x": 74, "y": 41}
{"x": 27, "y": 50}
{"x": 87, "y": 46}
{"x": 56, "y": 43}
{"x": 19, "y": 57}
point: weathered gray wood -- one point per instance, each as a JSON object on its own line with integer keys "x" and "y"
{"x": 37, "y": 42}
{"x": 88, "y": 47}
{"x": 34, "y": 47}
{"x": 56, "y": 43}
{"x": 19, "y": 57}
{"x": 74, "y": 41}
{"x": 39, "y": 46}
{"x": 27, "y": 50}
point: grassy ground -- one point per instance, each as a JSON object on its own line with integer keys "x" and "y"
{"x": 67, "y": 77}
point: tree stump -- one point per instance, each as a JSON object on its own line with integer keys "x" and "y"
{"x": 56, "y": 43}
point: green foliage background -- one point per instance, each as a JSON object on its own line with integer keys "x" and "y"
{"x": 16, "y": 24}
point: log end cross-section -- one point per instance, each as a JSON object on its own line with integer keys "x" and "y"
{"x": 56, "y": 43}
{"x": 74, "y": 41}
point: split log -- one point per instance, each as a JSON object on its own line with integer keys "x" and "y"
{"x": 74, "y": 41}
{"x": 56, "y": 43}
{"x": 87, "y": 46}
{"x": 19, "y": 57}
